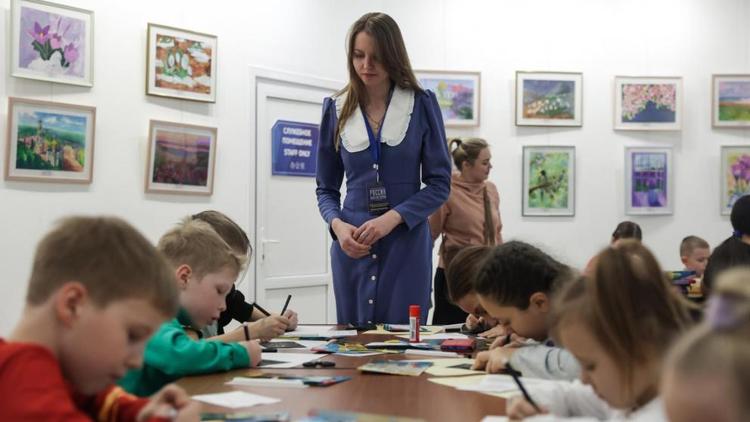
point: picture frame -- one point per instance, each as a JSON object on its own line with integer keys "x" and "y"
{"x": 735, "y": 176}
{"x": 548, "y": 181}
{"x": 649, "y": 182}
{"x": 730, "y": 105}
{"x": 181, "y": 158}
{"x": 181, "y": 63}
{"x": 49, "y": 142}
{"x": 549, "y": 98}
{"x": 458, "y": 94}
{"x": 52, "y": 42}
{"x": 648, "y": 103}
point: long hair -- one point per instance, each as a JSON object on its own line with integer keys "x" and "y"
{"x": 392, "y": 53}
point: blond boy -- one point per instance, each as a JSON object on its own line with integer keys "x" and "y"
{"x": 694, "y": 253}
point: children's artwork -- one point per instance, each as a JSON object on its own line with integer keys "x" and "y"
{"x": 731, "y": 101}
{"x": 396, "y": 367}
{"x": 49, "y": 142}
{"x": 735, "y": 175}
{"x": 648, "y": 103}
{"x": 457, "y": 93}
{"x": 180, "y": 158}
{"x": 548, "y": 181}
{"x": 648, "y": 181}
{"x": 549, "y": 99}
{"x": 52, "y": 42}
{"x": 181, "y": 64}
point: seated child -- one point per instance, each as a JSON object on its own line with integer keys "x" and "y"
{"x": 98, "y": 290}
{"x": 694, "y": 253}
{"x": 262, "y": 327}
{"x": 735, "y": 250}
{"x": 707, "y": 374}
{"x": 515, "y": 284}
{"x": 618, "y": 323}
{"x": 204, "y": 269}
{"x": 624, "y": 230}
{"x": 460, "y": 276}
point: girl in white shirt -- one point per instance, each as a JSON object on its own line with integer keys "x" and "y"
{"x": 618, "y": 322}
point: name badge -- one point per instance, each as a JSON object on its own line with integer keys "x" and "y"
{"x": 378, "y": 199}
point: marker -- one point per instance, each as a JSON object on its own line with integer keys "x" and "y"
{"x": 260, "y": 308}
{"x": 513, "y": 373}
{"x": 288, "y": 298}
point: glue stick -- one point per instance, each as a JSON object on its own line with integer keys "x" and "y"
{"x": 414, "y": 312}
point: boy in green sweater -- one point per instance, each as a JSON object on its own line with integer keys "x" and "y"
{"x": 205, "y": 269}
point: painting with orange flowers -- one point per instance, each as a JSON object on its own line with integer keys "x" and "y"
{"x": 181, "y": 64}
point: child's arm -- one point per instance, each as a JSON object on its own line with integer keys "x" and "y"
{"x": 540, "y": 361}
{"x": 567, "y": 399}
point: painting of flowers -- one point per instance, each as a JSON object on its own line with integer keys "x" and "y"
{"x": 181, "y": 64}
{"x": 457, "y": 95}
{"x": 648, "y": 180}
{"x": 181, "y": 158}
{"x": 735, "y": 175}
{"x": 549, "y": 99}
{"x": 50, "y": 141}
{"x": 52, "y": 42}
{"x": 648, "y": 103}
{"x": 548, "y": 181}
{"x": 731, "y": 101}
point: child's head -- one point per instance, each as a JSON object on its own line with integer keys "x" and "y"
{"x": 230, "y": 231}
{"x": 627, "y": 230}
{"x": 106, "y": 289}
{"x": 740, "y": 216}
{"x": 694, "y": 253}
{"x": 205, "y": 268}
{"x": 515, "y": 284}
{"x": 707, "y": 373}
{"x": 619, "y": 322}
{"x": 460, "y": 276}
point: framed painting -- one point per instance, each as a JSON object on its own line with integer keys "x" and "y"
{"x": 549, "y": 99}
{"x": 180, "y": 158}
{"x": 648, "y": 103}
{"x": 648, "y": 181}
{"x": 49, "y": 142}
{"x": 731, "y": 101}
{"x": 458, "y": 95}
{"x": 735, "y": 175}
{"x": 548, "y": 181}
{"x": 52, "y": 42}
{"x": 181, "y": 64}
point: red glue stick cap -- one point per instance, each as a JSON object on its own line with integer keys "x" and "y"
{"x": 414, "y": 310}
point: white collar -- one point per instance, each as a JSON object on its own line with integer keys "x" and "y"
{"x": 354, "y": 133}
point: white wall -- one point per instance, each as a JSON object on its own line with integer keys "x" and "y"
{"x": 689, "y": 38}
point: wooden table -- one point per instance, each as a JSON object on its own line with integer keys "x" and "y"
{"x": 368, "y": 393}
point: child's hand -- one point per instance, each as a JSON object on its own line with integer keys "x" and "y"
{"x": 496, "y": 331}
{"x": 254, "y": 351}
{"x": 494, "y": 360}
{"x": 172, "y": 403}
{"x": 515, "y": 340}
{"x": 518, "y": 408}
{"x": 269, "y": 327}
{"x": 292, "y": 317}
{"x": 472, "y": 322}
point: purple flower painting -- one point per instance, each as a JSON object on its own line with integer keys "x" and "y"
{"x": 649, "y": 180}
{"x": 736, "y": 175}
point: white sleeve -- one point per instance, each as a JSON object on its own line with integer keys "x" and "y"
{"x": 540, "y": 361}
{"x": 568, "y": 399}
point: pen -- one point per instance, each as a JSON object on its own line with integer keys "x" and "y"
{"x": 260, "y": 308}
{"x": 513, "y": 373}
{"x": 288, "y": 298}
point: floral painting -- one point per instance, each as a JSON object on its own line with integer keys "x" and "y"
{"x": 548, "y": 99}
{"x": 457, "y": 95}
{"x": 182, "y": 64}
{"x": 52, "y": 42}
{"x": 731, "y": 103}
{"x": 650, "y": 104}
{"x": 648, "y": 180}
{"x": 735, "y": 175}
{"x": 549, "y": 181}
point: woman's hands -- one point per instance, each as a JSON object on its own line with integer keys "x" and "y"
{"x": 356, "y": 241}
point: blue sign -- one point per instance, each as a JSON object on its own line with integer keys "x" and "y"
{"x": 295, "y": 148}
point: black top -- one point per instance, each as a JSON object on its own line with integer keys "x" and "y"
{"x": 237, "y": 309}
{"x": 733, "y": 252}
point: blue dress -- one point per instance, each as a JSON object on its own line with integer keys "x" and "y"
{"x": 379, "y": 287}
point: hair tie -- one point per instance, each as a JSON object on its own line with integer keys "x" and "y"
{"x": 721, "y": 312}
{"x": 737, "y": 233}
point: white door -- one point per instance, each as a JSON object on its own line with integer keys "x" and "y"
{"x": 292, "y": 240}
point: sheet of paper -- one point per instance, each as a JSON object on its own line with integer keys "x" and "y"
{"x": 360, "y": 355}
{"x": 458, "y": 381}
{"x": 430, "y": 329}
{"x": 322, "y": 334}
{"x": 444, "y": 367}
{"x": 266, "y": 382}
{"x": 288, "y": 360}
{"x": 313, "y": 328}
{"x": 309, "y": 344}
{"x": 235, "y": 399}
{"x": 419, "y": 352}
{"x": 499, "y": 383}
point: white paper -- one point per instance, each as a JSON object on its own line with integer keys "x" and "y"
{"x": 313, "y": 328}
{"x": 309, "y": 344}
{"x": 235, "y": 399}
{"x": 320, "y": 333}
{"x": 359, "y": 355}
{"x": 498, "y": 383}
{"x": 267, "y": 382}
{"x": 431, "y": 353}
{"x": 290, "y": 360}
{"x": 443, "y": 336}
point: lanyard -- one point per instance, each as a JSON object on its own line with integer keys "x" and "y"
{"x": 375, "y": 139}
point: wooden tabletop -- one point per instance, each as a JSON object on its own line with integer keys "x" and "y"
{"x": 385, "y": 394}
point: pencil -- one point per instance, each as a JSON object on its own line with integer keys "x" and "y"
{"x": 260, "y": 308}
{"x": 288, "y": 298}
{"x": 514, "y": 374}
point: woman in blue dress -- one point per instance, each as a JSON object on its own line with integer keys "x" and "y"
{"x": 386, "y": 135}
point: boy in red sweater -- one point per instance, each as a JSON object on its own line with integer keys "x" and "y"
{"x": 98, "y": 290}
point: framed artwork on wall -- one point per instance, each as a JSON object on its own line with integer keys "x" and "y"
{"x": 548, "y": 181}
{"x": 731, "y": 101}
{"x": 52, "y": 42}
{"x": 549, "y": 99}
{"x": 49, "y": 142}
{"x": 648, "y": 103}
{"x": 458, "y": 94}
{"x": 735, "y": 175}
{"x": 648, "y": 181}
{"x": 181, "y": 64}
{"x": 180, "y": 158}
